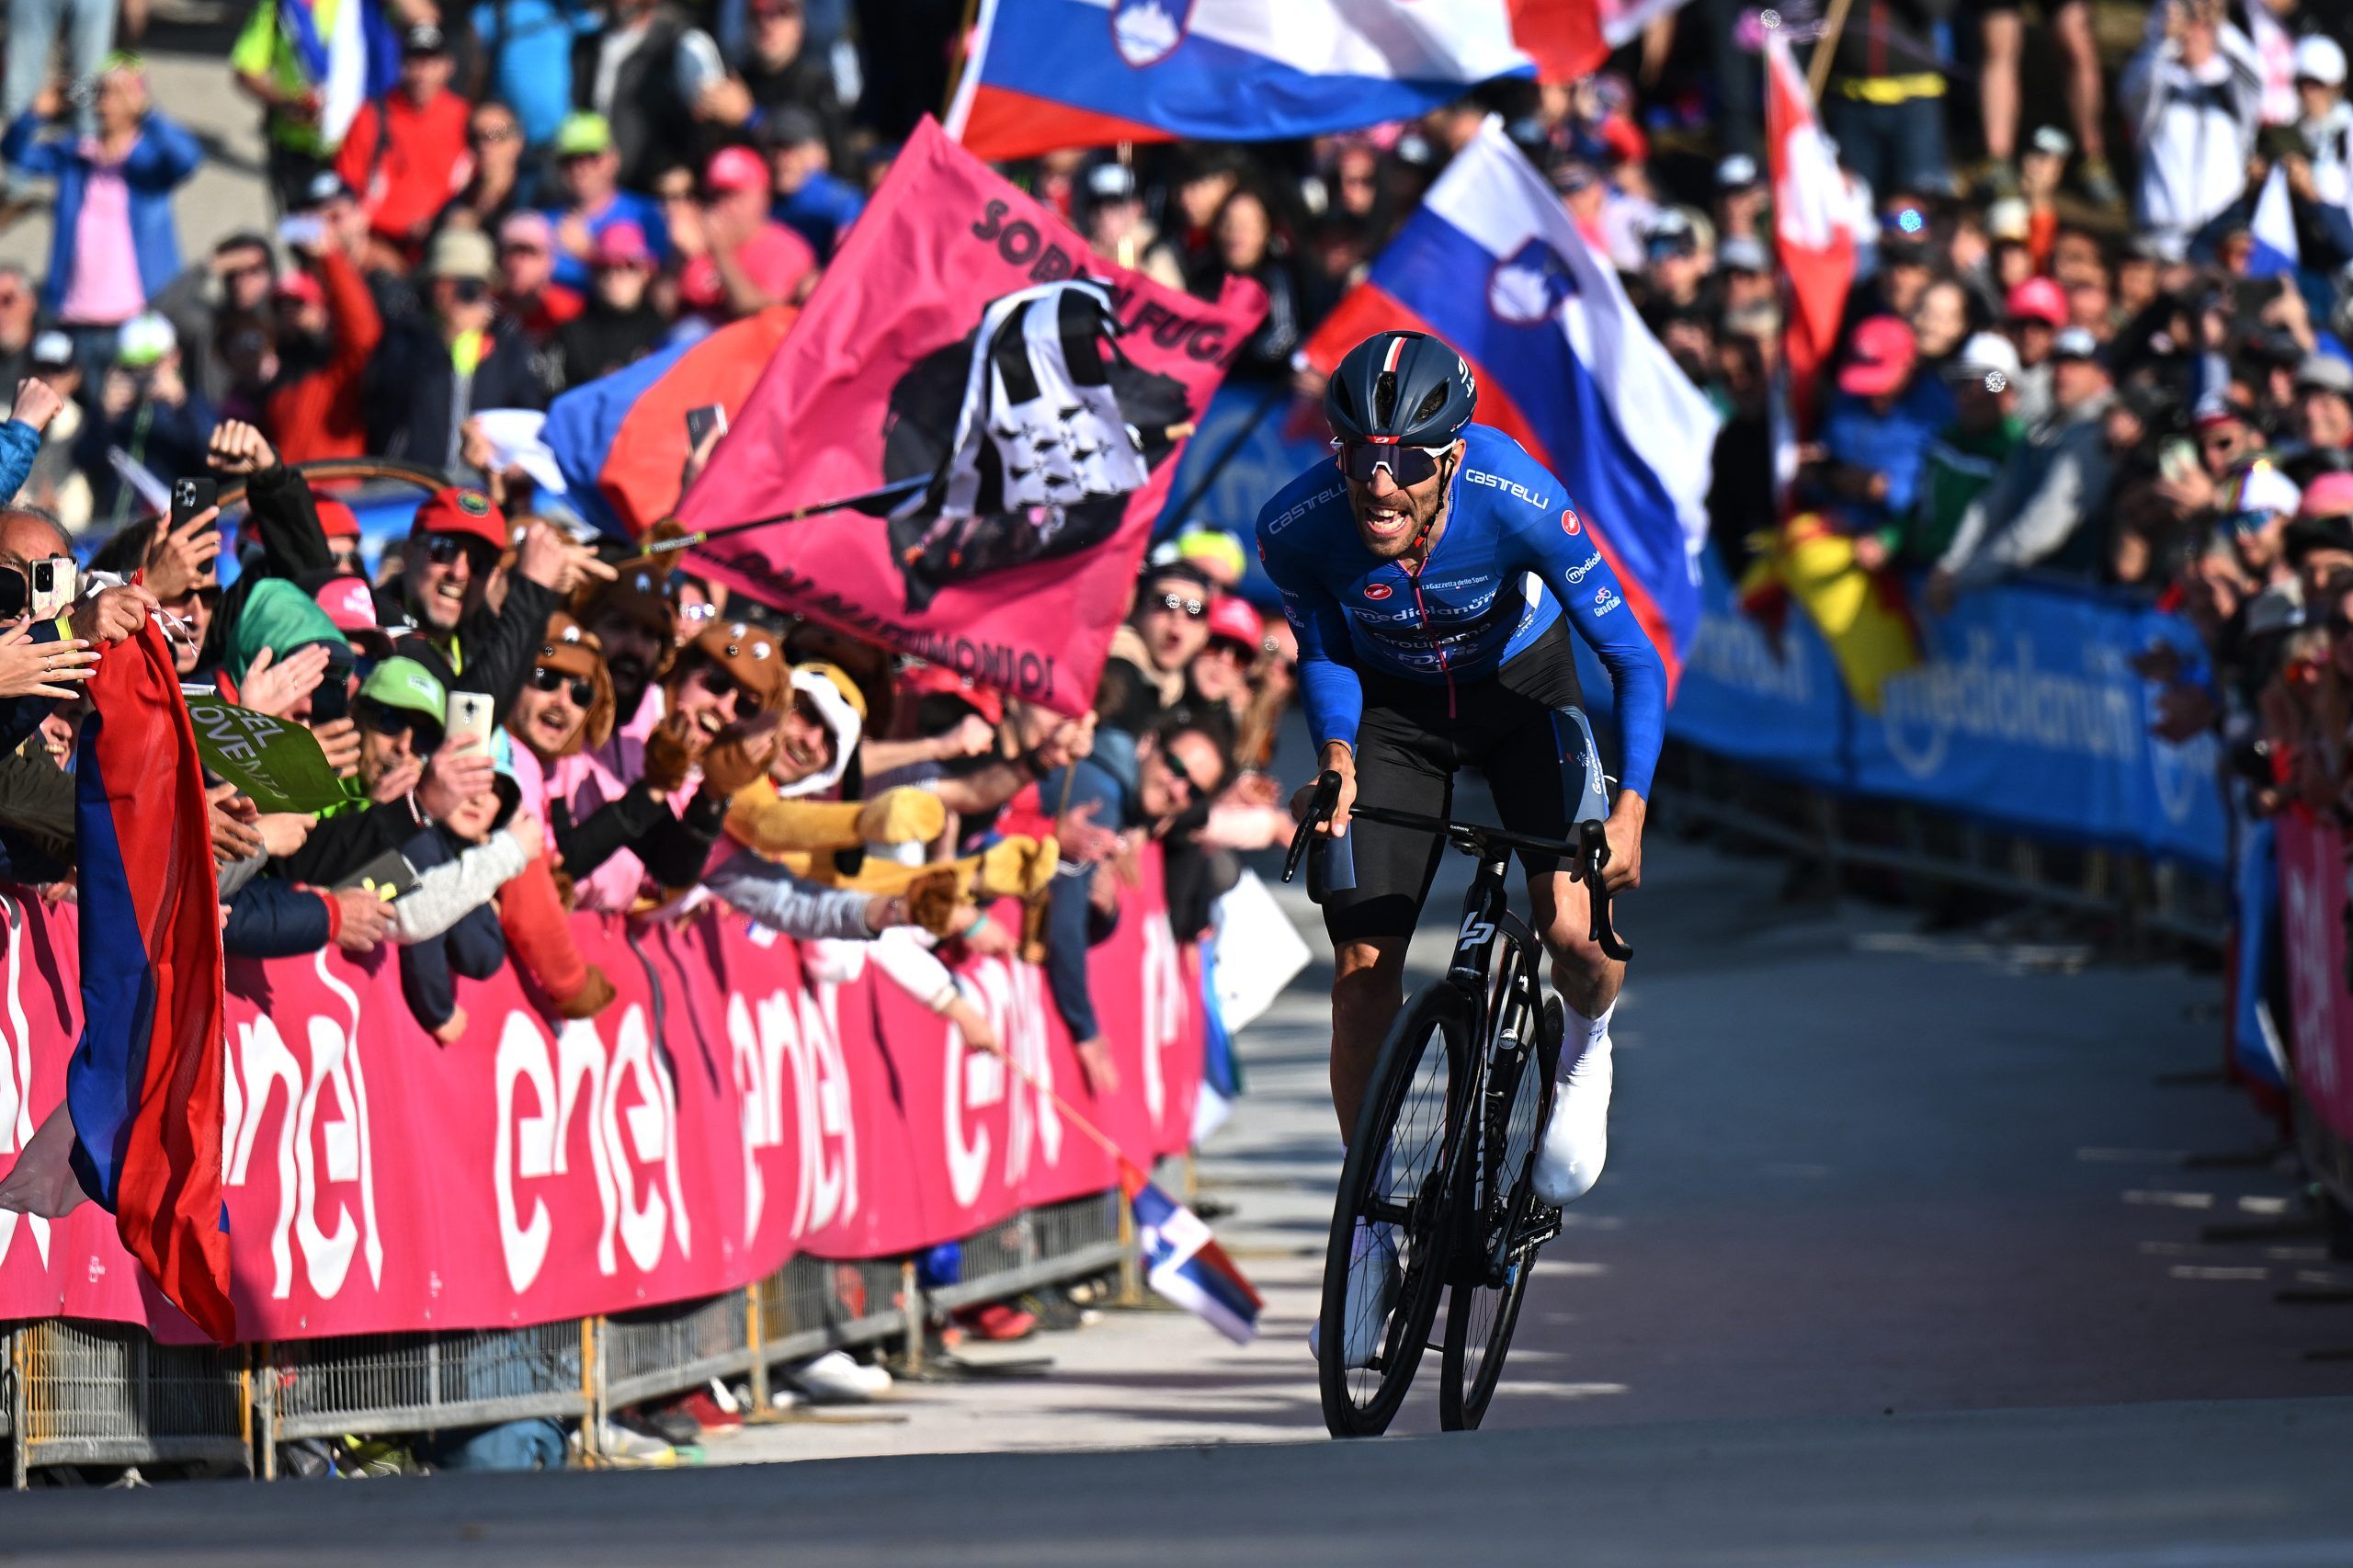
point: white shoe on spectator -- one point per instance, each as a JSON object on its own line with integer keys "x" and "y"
{"x": 837, "y": 1377}
{"x": 1372, "y": 1292}
{"x": 784, "y": 1396}
{"x": 623, "y": 1446}
{"x": 1576, "y": 1140}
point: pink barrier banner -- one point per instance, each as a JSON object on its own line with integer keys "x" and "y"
{"x": 743, "y": 1100}
{"x": 2312, "y": 931}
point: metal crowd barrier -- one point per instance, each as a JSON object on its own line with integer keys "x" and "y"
{"x": 81, "y": 1392}
{"x": 2151, "y": 901}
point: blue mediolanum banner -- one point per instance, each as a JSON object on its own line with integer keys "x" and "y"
{"x": 2027, "y": 711}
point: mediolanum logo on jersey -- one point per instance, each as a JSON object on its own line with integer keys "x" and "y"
{"x": 1584, "y": 568}
{"x": 1509, "y": 487}
{"x": 1377, "y": 592}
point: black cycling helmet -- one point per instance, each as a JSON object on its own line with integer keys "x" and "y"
{"x": 1400, "y": 389}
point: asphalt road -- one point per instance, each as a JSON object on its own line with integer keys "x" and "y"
{"x": 1898, "y": 1260}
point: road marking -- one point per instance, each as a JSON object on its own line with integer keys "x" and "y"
{"x": 2194, "y": 1271}
{"x": 2264, "y": 1204}
{"x": 2099, "y": 1156}
{"x": 2170, "y": 1199}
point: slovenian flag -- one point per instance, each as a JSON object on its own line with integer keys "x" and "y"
{"x": 620, "y": 441}
{"x": 1048, "y": 73}
{"x": 144, "y": 1084}
{"x": 1184, "y": 1263}
{"x": 1493, "y": 264}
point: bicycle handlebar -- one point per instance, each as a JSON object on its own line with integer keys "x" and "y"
{"x": 1587, "y": 856}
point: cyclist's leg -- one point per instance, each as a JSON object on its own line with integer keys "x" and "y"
{"x": 1401, "y": 764}
{"x": 1534, "y": 795}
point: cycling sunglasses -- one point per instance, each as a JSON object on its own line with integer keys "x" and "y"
{"x": 1406, "y": 465}
{"x": 544, "y": 679}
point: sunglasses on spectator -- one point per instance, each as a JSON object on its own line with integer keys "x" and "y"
{"x": 443, "y": 550}
{"x": 384, "y": 718}
{"x": 1191, "y": 609}
{"x": 468, "y": 290}
{"x": 545, "y": 679}
{"x": 1406, "y": 465}
{"x": 484, "y": 135}
{"x": 719, "y": 683}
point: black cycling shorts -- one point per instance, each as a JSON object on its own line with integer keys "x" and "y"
{"x": 1411, "y": 744}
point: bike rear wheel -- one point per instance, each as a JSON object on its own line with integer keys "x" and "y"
{"x": 1482, "y": 1311}
{"x": 1392, "y": 1218}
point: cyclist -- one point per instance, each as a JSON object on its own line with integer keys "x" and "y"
{"x": 1432, "y": 582}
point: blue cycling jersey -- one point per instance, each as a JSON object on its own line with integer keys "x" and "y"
{"x": 1514, "y": 554}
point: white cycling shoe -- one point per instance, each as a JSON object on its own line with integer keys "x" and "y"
{"x": 1372, "y": 1292}
{"x": 1576, "y": 1140}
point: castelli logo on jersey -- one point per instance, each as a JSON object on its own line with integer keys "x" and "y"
{"x": 1569, "y": 524}
{"x": 1377, "y": 592}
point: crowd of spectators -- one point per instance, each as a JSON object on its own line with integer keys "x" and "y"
{"x": 2074, "y": 350}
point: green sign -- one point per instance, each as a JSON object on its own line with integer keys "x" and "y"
{"x": 275, "y": 761}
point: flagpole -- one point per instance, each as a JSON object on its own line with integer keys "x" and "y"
{"x": 891, "y": 492}
{"x": 1818, "y": 68}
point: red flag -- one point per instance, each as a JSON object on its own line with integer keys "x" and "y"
{"x": 1563, "y": 37}
{"x": 1036, "y": 426}
{"x": 1810, "y": 233}
{"x": 144, "y": 1085}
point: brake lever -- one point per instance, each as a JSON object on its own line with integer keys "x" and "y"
{"x": 1593, "y": 854}
{"x": 1320, "y": 807}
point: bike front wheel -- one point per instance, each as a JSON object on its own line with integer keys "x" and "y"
{"x": 1392, "y": 1218}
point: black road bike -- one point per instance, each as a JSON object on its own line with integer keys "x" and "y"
{"x": 1440, "y": 1167}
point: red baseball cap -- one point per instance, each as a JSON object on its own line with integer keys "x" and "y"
{"x": 735, "y": 168}
{"x": 1232, "y": 617}
{"x": 2038, "y": 299}
{"x": 467, "y": 513}
{"x": 336, "y": 519}
{"x": 1878, "y": 360}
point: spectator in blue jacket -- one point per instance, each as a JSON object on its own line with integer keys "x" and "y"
{"x": 1103, "y": 814}
{"x": 115, "y": 247}
{"x": 1876, "y": 435}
